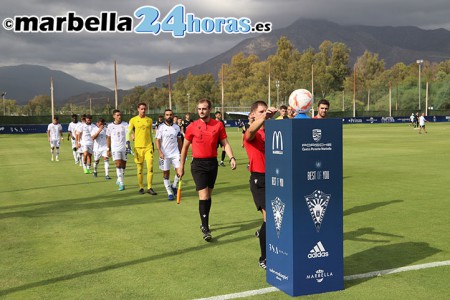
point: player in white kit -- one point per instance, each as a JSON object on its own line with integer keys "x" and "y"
{"x": 79, "y": 150}
{"x": 71, "y": 136}
{"x": 86, "y": 143}
{"x": 100, "y": 147}
{"x": 54, "y": 135}
{"x": 168, "y": 143}
{"x": 116, "y": 140}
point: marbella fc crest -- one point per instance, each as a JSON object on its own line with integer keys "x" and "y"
{"x": 317, "y": 204}
{"x": 278, "y": 212}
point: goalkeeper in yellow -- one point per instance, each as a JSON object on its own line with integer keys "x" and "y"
{"x": 141, "y": 127}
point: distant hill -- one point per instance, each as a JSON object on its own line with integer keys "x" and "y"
{"x": 24, "y": 82}
{"x": 393, "y": 44}
{"x": 98, "y": 98}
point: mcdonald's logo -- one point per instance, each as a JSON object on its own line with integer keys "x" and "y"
{"x": 277, "y": 143}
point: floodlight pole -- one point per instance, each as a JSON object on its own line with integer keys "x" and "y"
{"x": 52, "y": 99}
{"x": 268, "y": 89}
{"x": 4, "y": 106}
{"x": 277, "y": 84}
{"x": 354, "y": 91}
{"x": 426, "y": 99}
{"x": 189, "y": 98}
{"x": 419, "y": 62}
{"x": 223, "y": 91}
{"x": 170, "y": 89}
{"x": 390, "y": 99}
{"x": 115, "y": 86}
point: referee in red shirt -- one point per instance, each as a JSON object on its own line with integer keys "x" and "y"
{"x": 254, "y": 143}
{"x": 204, "y": 134}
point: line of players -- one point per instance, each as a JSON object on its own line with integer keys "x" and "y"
{"x": 89, "y": 139}
{"x": 102, "y": 141}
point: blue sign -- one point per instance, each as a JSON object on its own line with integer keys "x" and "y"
{"x": 32, "y": 128}
{"x": 383, "y": 120}
{"x": 304, "y": 208}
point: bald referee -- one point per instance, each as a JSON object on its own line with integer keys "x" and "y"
{"x": 204, "y": 134}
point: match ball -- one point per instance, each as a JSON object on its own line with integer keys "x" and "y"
{"x": 301, "y": 101}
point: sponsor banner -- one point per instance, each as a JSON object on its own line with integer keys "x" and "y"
{"x": 383, "y": 120}
{"x": 18, "y": 129}
{"x": 314, "y": 145}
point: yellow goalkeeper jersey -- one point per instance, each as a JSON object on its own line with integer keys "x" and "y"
{"x": 142, "y": 131}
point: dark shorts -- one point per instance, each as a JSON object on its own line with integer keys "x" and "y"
{"x": 258, "y": 189}
{"x": 204, "y": 172}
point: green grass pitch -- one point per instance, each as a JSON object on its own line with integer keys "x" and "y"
{"x": 67, "y": 235}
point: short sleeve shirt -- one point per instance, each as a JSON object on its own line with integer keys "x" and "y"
{"x": 118, "y": 136}
{"x": 256, "y": 152}
{"x": 204, "y": 137}
{"x": 86, "y": 132}
{"x": 72, "y": 128}
{"x": 422, "y": 121}
{"x": 55, "y": 131}
{"x": 168, "y": 135}
{"x": 100, "y": 140}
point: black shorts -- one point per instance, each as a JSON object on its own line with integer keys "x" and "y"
{"x": 258, "y": 189}
{"x": 204, "y": 172}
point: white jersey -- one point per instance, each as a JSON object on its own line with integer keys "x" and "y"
{"x": 118, "y": 134}
{"x": 55, "y": 131}
{"x": 100, "y": 140}
{"x": 168, "y": 135}
{"x": 422, "y": 121}
{"x": 86, "y": 132}
{"x": 78, "y": 128}
{"x": 73, "y": 127}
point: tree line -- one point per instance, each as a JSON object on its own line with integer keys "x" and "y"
{"x": 326, "y": 71}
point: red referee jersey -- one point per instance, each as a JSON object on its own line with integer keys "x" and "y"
{"x": 255, "y": 152}
{"x": 204, "y": 137}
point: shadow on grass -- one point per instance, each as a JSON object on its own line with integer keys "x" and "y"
{"x": 114, "y": 199}
{"x": 385, "y": 257}
{"x": 237, "y": 227}
{"x": 367, "y": 207}
{"x": 356, "y": 235}
{"x": 46, "y": 187}
{"x": 224, "y": 187}
{"x": 116, "y": 266}
{"x": 119, "y": 199}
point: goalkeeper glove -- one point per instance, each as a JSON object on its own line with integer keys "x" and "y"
{"x": 129, "y": 148}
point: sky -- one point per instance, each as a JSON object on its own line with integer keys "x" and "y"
{"x": 141, "y": 58}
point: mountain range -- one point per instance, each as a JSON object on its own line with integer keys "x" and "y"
{"x": 24, "y": 82}
{"x": 393, "y": 44}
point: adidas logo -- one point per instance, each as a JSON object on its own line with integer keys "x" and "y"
{"x": 318, "y": 251}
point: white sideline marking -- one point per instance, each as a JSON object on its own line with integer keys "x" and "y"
{"x": 243, "y": 294}
{"x": 398, "y": 270}
{"x": 349, "y": 277}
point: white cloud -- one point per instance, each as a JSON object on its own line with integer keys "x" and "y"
{"x": 142, "y": 58}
